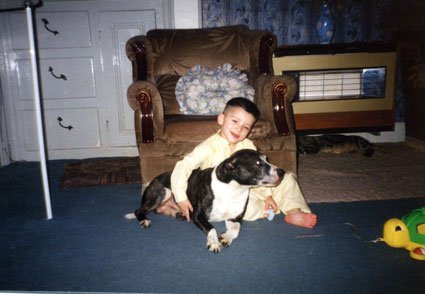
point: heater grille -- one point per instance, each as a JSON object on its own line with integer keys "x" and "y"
{"x": 341, "y": 84}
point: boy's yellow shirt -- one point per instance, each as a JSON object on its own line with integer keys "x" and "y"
{"x": 209, "y": 153}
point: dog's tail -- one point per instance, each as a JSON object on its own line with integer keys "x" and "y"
{"x": 130, "y": 215}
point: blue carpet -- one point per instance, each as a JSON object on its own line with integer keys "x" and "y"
{"x": 90, "y": 247}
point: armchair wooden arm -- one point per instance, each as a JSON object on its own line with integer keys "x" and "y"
{"x": 144, "y": 98}
{"x": 139, "y": 51}
{"x": 274, "y": 99}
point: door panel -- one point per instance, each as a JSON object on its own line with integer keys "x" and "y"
{"x": 116, "y": 27}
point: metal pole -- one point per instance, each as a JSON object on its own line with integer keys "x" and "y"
{"x": 38, "y": 112}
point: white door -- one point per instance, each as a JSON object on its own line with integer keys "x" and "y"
{"x": 115, "y": 28}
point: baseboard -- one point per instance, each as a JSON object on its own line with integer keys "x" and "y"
{"x": 396, "y": 136}
{"x": 415, "y": 143}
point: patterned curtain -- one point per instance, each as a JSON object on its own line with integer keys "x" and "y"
{"x": 294, "y": 21}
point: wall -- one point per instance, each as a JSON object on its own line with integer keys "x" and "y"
{"x": 187, "y": 14}
{"x": 408, "y": 25}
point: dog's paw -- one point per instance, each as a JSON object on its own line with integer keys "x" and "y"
{"x": 213, "y": 244}
{"x": 227, "y": 237}
{"x": 225, "y": 240}
{"x": 146, "y": 223}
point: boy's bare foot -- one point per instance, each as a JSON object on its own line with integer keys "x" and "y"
{"x": 302, "y": 219}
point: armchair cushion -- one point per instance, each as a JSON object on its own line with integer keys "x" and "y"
{"x": 176, "y": 51}
{"x": 205, "y": 91}
{"x": 166, "y": 85}
{"x": 180, "y": 128}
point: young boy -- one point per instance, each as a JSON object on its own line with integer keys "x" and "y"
{"x": 236, "y": 121}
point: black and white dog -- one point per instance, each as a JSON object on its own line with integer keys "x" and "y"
{"x": 216, "y": 194}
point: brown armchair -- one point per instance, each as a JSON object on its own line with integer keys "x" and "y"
{"x": 161, "y": 57}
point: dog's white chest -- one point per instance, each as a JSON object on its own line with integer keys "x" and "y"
{"x": 229, "y": 200}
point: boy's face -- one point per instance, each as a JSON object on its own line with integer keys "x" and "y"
{"x": 235, "y": 124}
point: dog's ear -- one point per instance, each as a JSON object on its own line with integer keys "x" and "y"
{"x": 225, "y": 170}
{"x": 231, "y": 164}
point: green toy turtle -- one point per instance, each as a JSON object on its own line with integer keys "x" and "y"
{"x": 409, "y": 233}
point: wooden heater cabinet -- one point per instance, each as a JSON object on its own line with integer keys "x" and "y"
{"x": 341, "y": 87}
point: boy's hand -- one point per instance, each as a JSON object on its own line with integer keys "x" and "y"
{"x": 270, "y": 203}
{"x": 186, "y": 207}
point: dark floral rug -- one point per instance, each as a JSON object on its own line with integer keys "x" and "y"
{"x": 102, "y": 171}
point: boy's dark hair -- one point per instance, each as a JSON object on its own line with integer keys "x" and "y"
{"x": 245, "y": 104}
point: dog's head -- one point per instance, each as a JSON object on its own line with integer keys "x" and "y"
{"x": 249, "y": 168}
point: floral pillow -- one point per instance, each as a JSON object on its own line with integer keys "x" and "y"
{"x": 205, "y": 91}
